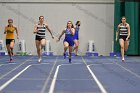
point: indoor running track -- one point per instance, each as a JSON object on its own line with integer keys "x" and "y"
{"x": 55, "y": 75}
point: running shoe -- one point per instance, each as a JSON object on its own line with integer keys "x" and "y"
{"x": 123, "y": 59}
{"x": 69, "y": 60}
{"x": 39, "y": 60}
{"x": 10, "y": 60}
{"x": 64, "y": 55}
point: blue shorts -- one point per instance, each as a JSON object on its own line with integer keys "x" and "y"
{"x": 71, "y": 42}
{"x": 76, "y": 37}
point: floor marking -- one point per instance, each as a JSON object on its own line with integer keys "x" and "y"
{"x": 133, "y": 73}
{"x": 74, "y": 79}
{"x": 101, "y": 87}
{"x": 12, "y": 79}
{"x": 46, "y": 82}
{"x": 40, "y": 79}
{"x": 51, "y": 90}
{"x": 14, "y": 68}
{"x": 101, "y": 64}
{"x": 41, "y": 64}
{"x": 8, "y": 64}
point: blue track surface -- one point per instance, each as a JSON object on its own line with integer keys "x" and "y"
{"x": 55, "y": 75}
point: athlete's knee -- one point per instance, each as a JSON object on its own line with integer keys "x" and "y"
{"x": 76, "y": 45}
{"x": 122, "y": 47}
{"x": 42, "y": 45}
{"x": 66, "y": 46}
{"x": 11, "y": 46}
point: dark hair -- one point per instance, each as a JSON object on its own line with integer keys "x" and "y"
{"x": 123, "y": 17}
{"x": 10, "y": 20}
{"x": 40, "y": 17}
{"x": 71, "y": 25}
{"x": 77, "y": 22}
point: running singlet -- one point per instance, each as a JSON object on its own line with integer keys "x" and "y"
{"x": 69, "y": 37}
{"x": 123, "y": 30}
{"x": 10, "y": 32}
{"x": 41, "y": 31}
{"x": 76, "y": 35}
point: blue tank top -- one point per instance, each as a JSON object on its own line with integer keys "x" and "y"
{"x": 68, "y": 35}
{"x": 76, "y": 31}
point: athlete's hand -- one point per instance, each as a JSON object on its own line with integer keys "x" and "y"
{"x": 52, "y": 37}
{"x": 57, "y": 40}
{"x": 35, "y": 32}
{"x": 126, "y": 39}
{"x": 4, "y": 32}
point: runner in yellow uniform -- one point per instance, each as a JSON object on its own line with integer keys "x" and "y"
{"x": 10, "y": 39}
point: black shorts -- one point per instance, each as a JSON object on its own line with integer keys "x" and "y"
{"x": 39, "y": 38}
{"x": 8, "y": 41}
{"x": 123, "y": 37}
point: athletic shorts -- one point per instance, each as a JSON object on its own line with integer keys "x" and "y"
{"x": 123, "y": 37}
{"x": 8, "y": 41}
{"x": 39, "y": 38}
{"x": 76, "y": 38}
{"x": 71, "y": 42}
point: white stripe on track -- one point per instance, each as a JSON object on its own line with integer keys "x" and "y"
{"x": 13, "y": 78}
{"x": 49, "y": 77}
{"x": 15, "y": 68}
{"x": 101, "y": 87}
{"x": 138, "y": 76}
{"x": 51, "y": 90}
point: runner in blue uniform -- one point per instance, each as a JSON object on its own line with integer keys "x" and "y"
{"x": 76, "y": 37}
{"x": 68, "y": 41}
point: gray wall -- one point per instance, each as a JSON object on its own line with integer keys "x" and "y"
{"x": 97, "y": 22}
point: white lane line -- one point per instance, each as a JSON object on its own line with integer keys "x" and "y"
{"x": 8, "y": 64}
{"x": 49, "y": 77}
{"x": 15, "y": 68}
{"x": 101, "y": 64}
{"x": 133, "y": 73}
{"x": 12, "y": 79}
{"x": 51, "y": 90}
{"x": 41, "y": 64}
{"x": 101, "y": 87}
{"x": 71, "y": 64}
{"x": 103, "y": 90}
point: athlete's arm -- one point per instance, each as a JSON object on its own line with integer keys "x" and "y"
{"x": 117, "y": 32}
{"x": 5, "y": 30}
{"x": 61, "y": 34}
{"x": 49, "y": 30}
{"x": 128, "y": 26}
{"x": 35, "y": 29}
{"x": 17, "y": 32}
